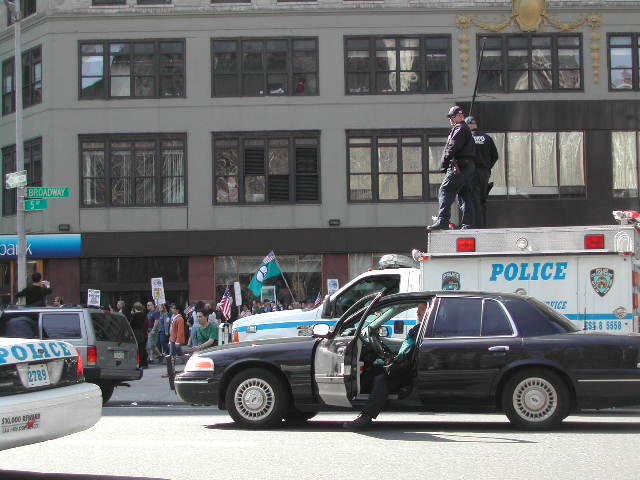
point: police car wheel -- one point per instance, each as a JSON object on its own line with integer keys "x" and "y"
{"x": 296, "y": 417}
{"x": 257, "y": 398}
{"x": 536, "y": 399}
{"x": 107, "y": 391}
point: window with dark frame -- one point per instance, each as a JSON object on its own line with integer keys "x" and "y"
{"x": 27, "y": 8}
{"x": 133, "y": 170}
{"x": 390, "y": 166}
{"x": 625, "y": 154}
{"x": 398, "y": 64}
{"x": 31, "y": 81}
{"x": 154, "y": 2}
{"x": 624, "y": 61}
{"x": 132, "y": 69}
{"x": 539, "y": 164}
{"x": 530, "y": 62}
{"x": 33, "y": 166}
{"x": 253, "y": 67}
{"x": 266, "y": 167}
{"x": 108, "y": 2}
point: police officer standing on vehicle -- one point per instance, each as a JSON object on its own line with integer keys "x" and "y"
{"x": 486, "y": 158}
{"x": 458, "y": 161}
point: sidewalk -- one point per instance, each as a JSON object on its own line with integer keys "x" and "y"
{"x": 151, "y": 389}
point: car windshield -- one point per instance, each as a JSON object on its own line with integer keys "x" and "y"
{"x": 562, "y": 323}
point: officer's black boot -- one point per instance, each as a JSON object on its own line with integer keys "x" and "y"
{"x": 363, "y": 421}
{"x": 438, "y": 225}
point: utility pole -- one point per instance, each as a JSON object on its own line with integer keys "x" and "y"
{"x": 13, "y": 8}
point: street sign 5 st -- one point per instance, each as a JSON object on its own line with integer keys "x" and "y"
{"x": 16, "y": 179}
{"x": 47, "y": 192}
{"x": 35, "y": 204}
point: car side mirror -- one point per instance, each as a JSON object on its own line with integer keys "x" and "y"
{"x": 321, "y": 330}
{"x": 326, "y": 307}
{"x": 383, "y": 332}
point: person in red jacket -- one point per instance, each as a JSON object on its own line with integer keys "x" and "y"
{"x": 177, "y": 336}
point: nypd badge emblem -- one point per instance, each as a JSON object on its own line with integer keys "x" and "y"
{"x": 601, "y": 280}
{"x": 451, "y": 281}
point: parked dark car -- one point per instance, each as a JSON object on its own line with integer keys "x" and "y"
{"x": 475, "y": 352}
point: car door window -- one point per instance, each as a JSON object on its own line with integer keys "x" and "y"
{"x": 61, "y": 325}
{"x": 111, "y": 328}
{"x": 389, "y": 283}
{"x": 494, "y": 320}
{"x": 458, "y": 317}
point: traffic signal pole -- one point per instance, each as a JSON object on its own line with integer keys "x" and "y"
{"x": 13, "y": 8}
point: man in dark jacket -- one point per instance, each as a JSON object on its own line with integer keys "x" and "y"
{"x": 486, "y": 158}
{"x": 458, "y": 161}
{"x": 36, "y": 293}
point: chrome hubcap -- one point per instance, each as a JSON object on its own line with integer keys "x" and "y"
{"x": 254, "y": 399}
{"x": 535, "y": 399}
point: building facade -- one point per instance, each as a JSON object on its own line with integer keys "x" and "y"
{"x": 198, "y": 135}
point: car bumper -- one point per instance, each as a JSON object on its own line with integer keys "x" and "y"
{"x": 38, "y": 416}
{"x": 96, "y": 374}
{"x": 198, "y": 389}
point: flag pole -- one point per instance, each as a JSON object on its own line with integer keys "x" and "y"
{"x": 285, "y": 280}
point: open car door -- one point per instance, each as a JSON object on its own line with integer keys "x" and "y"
{"x": 336, "y": 357}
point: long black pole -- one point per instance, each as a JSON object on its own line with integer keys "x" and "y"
{"x": 475, "y": 88}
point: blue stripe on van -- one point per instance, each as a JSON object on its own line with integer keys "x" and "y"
{"x": 597, "y": 316}
{"x": 274, "y": 326}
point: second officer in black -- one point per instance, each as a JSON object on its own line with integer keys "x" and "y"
{"x": 486, "y": 158}
{"x": 458, "y": 161}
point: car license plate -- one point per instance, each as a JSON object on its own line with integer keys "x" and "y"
{"x": 118, "y": 354}
{"x": 37, "y": 375}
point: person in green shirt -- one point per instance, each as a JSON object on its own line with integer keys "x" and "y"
{"x": 207, "y": 334}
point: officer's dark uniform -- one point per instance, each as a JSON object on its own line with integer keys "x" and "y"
{"x": 486, "y": 158}
{"x": 458, "y": 161}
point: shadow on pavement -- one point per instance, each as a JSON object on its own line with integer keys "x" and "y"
{"x": 20, "y": 475}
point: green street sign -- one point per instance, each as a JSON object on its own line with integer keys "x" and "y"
{"x": 47, "y": 192}
{"x": 35, "y": 204}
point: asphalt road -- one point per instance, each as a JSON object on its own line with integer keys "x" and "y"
{"x": 187, "y": 443}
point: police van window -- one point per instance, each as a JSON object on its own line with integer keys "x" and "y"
{"x": 494, "y": 321}
{"x": 111, "y": 328}
{"x": 61, "y": 325}
{"x": 458, "y": 317}
{"x": 389, "y": 283}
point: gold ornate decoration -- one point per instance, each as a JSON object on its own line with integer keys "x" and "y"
{"x": 529, "y": 15}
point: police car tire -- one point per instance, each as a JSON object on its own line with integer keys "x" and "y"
{"x": 269, "y": 395}
{"x": 536, "y": 399}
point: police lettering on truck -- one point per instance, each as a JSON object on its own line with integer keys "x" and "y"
{"x": 589, "y": 274}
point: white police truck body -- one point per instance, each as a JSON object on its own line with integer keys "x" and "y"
{"x": 292, "y": 323}
{"x": 589, "y": 274}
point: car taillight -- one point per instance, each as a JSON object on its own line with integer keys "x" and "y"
{"x": 594, "y": 241}
{"x": 80, "y": 366}
{"x": 199, "y": 364}
{"x": 466, "y": 244}
{"x": 139, "y": 358}
{"x": 92, "y": 355}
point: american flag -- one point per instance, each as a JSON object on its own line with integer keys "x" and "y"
{"x": 318, "y": 299}
{"x": 225, "y": 304}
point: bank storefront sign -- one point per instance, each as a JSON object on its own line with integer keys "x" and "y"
{"x": 43, "y": 246}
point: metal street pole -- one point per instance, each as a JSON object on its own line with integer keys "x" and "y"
{"x": 13, "y": 8}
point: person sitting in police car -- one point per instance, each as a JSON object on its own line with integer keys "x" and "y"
{"x": 397, "y": 374}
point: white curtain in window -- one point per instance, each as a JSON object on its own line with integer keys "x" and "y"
{"x": 498, "y": 176}
{"x": 359, "y": 263}
{"x": 173, "y": 176}
{"x": 571, "y": 158}
{"x": 625, "y": 161}
{"x": 544, "y": 159}
{"x": 519, "y": 149}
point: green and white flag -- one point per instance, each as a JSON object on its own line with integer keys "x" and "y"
{"x": 268, "y": 269}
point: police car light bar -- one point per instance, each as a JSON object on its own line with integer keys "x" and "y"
{"x": 594, "y": 241}
{"x": 626, "y": 216}
{"x": 419, "y": 256}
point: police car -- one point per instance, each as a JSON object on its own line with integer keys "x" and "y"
{"x": 42, "y": 392}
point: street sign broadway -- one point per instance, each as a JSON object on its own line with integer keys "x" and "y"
{"x": 47, "y": 192}
{"x": 35, "y": 204}
{"x": 16, "y": 179}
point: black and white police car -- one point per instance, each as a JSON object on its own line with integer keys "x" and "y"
{"x": 43, "y": 394}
